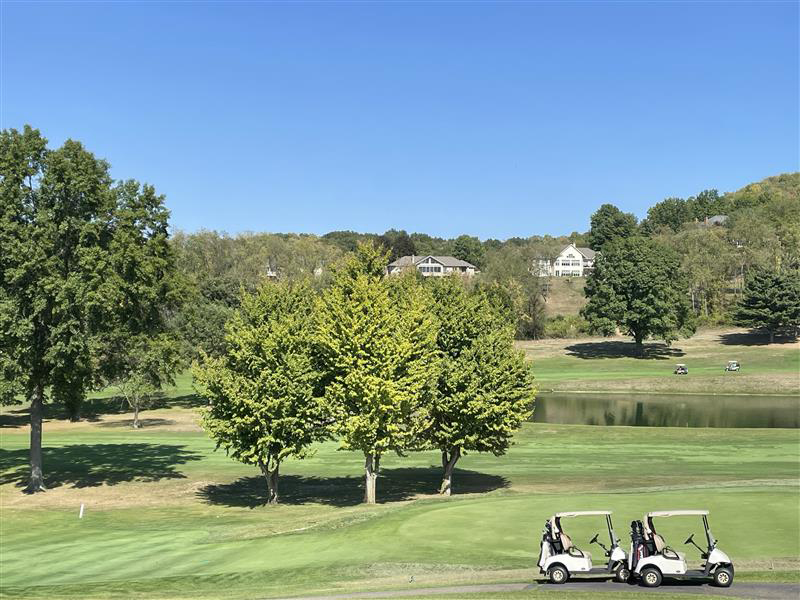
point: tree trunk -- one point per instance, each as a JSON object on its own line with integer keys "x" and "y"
{"x": 136, "y": 423}
{"x": 771, "y": 336}
{"x": 448, "y": 464}
{"x": 639, "y": 339}
{"x": 73, "y": 407}
{"x": 371, "y": 478}
{"x": 271, "y": 478}
{"x": 36, "y": 481}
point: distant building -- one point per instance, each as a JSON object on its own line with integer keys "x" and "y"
{"x": 570, "y": 262}
{"x": 432, "y": 266}
{"x": 715, "y": 220}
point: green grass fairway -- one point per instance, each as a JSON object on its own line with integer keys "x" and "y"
{"x": 610, "y": 364}
{"x": 167, "y": 517}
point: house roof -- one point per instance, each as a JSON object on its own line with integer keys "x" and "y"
{"x": 445, "y": 261}
{"x": 587, "y": 252}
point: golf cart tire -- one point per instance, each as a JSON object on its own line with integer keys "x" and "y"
{"x": 558, "y": 574}
{"x": 651, "y": 577}
{"x": 622, "y": 575}
{"x": 723, "y": 577}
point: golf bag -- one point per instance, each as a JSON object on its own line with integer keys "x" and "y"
{"x": 639, "y": 546}
{"x": 553, "y": 539}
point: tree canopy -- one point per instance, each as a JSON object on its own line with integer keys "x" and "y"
{"x": 771, "y": 301}
{"x": 265, "y": 400}
{"x": 470, "y": 249}
{"x": 376, "y": 344}
{"x": 637, "y": 286}
{"x": 610, "y": 223}
{"x": 80, "y": 258}
{"x": 484, "y": 389}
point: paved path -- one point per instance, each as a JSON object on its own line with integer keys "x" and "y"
{"x": 752, "y": 591}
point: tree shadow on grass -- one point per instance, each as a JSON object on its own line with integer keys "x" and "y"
{"x": 90, "y": 465}
{"x": 754, "y": 338}
{"x": 617, "y": 349}
{"x": 394, "y": 485}
{"x": 15, "y": 418}
{"x": 93, "y": 409}
{"x": 153, "y": 422}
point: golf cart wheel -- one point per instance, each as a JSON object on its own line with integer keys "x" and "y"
{"x": 558, "y": 574}
{"x": 723, "y": 577}
{"x": 622, "y": 575}
{"x": 651, "y": 577}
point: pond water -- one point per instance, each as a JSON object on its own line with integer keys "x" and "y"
{"x": 664, "y": 410}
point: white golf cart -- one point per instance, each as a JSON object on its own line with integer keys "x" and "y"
{"x": 560, "y": 559}
{"x": 651, "y": 559}
{"x": 733, "y": 365}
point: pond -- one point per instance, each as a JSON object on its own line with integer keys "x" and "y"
{"x": 665, "y": 410}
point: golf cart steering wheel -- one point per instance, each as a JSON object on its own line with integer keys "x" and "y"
{"x": 594, "y": 539}
{"x": 689, "y": 541}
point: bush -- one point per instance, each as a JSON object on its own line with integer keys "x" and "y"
{"x": 568, "y": 326}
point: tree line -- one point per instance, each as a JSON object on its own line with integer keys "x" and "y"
{"x": 658, "y": 278}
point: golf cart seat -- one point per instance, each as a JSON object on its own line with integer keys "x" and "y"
{"x": 666, "y": 551}
{"x": 571, "y": 548}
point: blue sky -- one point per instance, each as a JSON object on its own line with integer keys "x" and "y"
{"x": 492, "y": 119}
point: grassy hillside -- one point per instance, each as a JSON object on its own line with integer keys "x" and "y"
{"x": 611, "y": 364}
{"x": 565, "y": 296}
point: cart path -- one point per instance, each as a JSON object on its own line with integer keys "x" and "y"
{"x": 753, "y": 591}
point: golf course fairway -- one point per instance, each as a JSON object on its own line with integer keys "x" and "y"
{"x": 165, "y": 516}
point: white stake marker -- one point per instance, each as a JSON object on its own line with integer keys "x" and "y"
{"x": 80, "y": 514}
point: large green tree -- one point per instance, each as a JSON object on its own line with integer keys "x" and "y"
{"x": 147, "y": 364}
{"x": 265, "y": 400}
{"x": 609, "y": 223}
{"x": 670, "y": 213}
{"x": 65, "y": 235}
{"x": 377, "y": 349}
{"x": 771, "y": 301}
{"x": 470, "y": 249}
{"x": 485, "y": 390}
{"x": 637, "y": 286}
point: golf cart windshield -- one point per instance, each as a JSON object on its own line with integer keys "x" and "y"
{"x": 651, "y": 529}
{"x": 555, "y": 523}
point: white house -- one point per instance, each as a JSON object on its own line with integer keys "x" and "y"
{"x": 570, "y": 262}
{"x": 432, "y": 266}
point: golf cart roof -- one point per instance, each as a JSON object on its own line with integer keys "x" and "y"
{"x": 680, "y": 365}
{"x": 676, "y": 513}
{"x": 581, "y": 513}
{"x": 731, "y": 362}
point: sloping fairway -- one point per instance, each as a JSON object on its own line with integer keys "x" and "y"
{"x": 612, "y": 364}
{"x": 167, "y": 517}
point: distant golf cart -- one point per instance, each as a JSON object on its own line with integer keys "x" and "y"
{"x": 651, "y": 559}
{"x": 560, "y": 559}
{"x": 681, "y": 369}
{"x": 733, "y": 365}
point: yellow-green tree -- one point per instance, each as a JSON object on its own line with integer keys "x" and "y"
{"x": 265, "y": 402}
{"x": 376, "y": 343}
{"x": 485, "y": 390}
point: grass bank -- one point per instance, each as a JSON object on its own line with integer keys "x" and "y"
{"x": 612, "y": 365}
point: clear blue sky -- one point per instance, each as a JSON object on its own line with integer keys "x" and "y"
{"x": 493, "y": 119}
